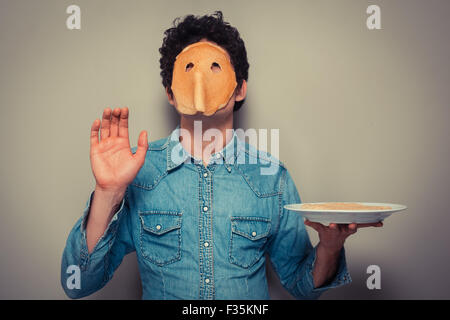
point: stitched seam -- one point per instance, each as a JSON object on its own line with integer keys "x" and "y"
{"x": 178, "y": 226}
{"x": 280, "y": 199}
{"x": 177, "y": 257}
{"x": 246, "y": 282}
{"x": 258, "y": 194}
{"x": 161, "y": 147}
{"x": 154, "y": 148}
{"x": 163, "y": 283}
{"x": 163, "y": 212}
{"x": 200, "y": 224}
{"x": 83, "y": 258}
{"x": 251, "y": 218}
{"x": 264, "y": 237}
{"x": 248, "y": 236}
{"x": 254, "y": 259}
{"x": 259, "y": 156}
{"x": 151, "y": 186}
{"x": 154, "y": 213}
{"x": 211, "y": 215}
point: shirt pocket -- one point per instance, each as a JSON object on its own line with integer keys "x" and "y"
{"x": 248, "y": 236}
{"x": 160, "y": 236}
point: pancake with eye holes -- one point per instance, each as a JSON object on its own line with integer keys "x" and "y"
{"x": 203, "y": 79}
{"x": 341, "y": 206}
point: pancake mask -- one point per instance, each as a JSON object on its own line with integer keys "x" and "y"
{"x": 203, "y": 79}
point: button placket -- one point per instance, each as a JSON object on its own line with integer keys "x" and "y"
{"x": 205, "y": 250}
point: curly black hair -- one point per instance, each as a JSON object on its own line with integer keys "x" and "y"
{"x": 192, "y": 29}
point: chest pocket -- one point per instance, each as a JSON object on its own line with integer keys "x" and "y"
{"x": 248, "y": 236}
{"x": 160, "y": 236}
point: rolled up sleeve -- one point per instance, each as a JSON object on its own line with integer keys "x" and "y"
{"x": 292, "y": 254}
{"x": 96, "y": 268}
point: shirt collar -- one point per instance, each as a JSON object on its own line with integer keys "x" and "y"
{"x": 176, "y": 154}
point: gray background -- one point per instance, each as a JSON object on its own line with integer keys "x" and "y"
{"x": 362, "y": 117}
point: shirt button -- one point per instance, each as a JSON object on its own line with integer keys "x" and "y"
{"x": 218, "y": 156}
{"x": 158, "y": 227}
{"x": 254, "y": 234}
{"x": 206, "y": 244}
{"x": 205, "y": 174}
{"x": 205, "y": 208}
{"x": 207, "y": 280}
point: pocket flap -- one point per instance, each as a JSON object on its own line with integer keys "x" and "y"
{"x": 252, "y": 228}
{"x": 160, "y": 222}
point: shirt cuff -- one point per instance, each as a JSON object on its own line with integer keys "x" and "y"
{"x": 107, "y": 236}
{"x": 341, "y": 277}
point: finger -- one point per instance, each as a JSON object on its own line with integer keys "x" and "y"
{"x": 315, "y": 225}
{"x": 123, "y": 123}
{"x": 333, "y": 226}
{"x": 106, "y": 123}
{"x": 142, "y": 147}
{"x": 365, "y": 225}
{"x": 94, "y": 132}
{"x": 352, "y": 228}
{"x": 114, "y": 132}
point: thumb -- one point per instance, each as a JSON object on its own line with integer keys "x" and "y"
{"x": 142, "y": 146}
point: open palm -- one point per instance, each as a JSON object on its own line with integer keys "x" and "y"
{"x": 113, "y": 164}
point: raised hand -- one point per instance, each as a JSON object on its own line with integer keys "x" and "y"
{"x": 113, "y": 164}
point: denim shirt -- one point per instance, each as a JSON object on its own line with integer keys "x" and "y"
{"x": 203, "y": 232}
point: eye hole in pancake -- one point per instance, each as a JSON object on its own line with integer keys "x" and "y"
{"x": 189, "y": 66}
{"x": 215, "y": 67}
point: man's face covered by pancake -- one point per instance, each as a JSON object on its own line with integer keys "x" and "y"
{"x": 203, "y": 79}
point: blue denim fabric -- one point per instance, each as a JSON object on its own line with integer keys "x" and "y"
{"x": 203, "y": 232}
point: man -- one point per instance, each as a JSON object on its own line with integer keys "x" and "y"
{"x": 199, "y": 213}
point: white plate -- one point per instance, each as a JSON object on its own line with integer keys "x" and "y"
{"x": 346, "y": 216}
